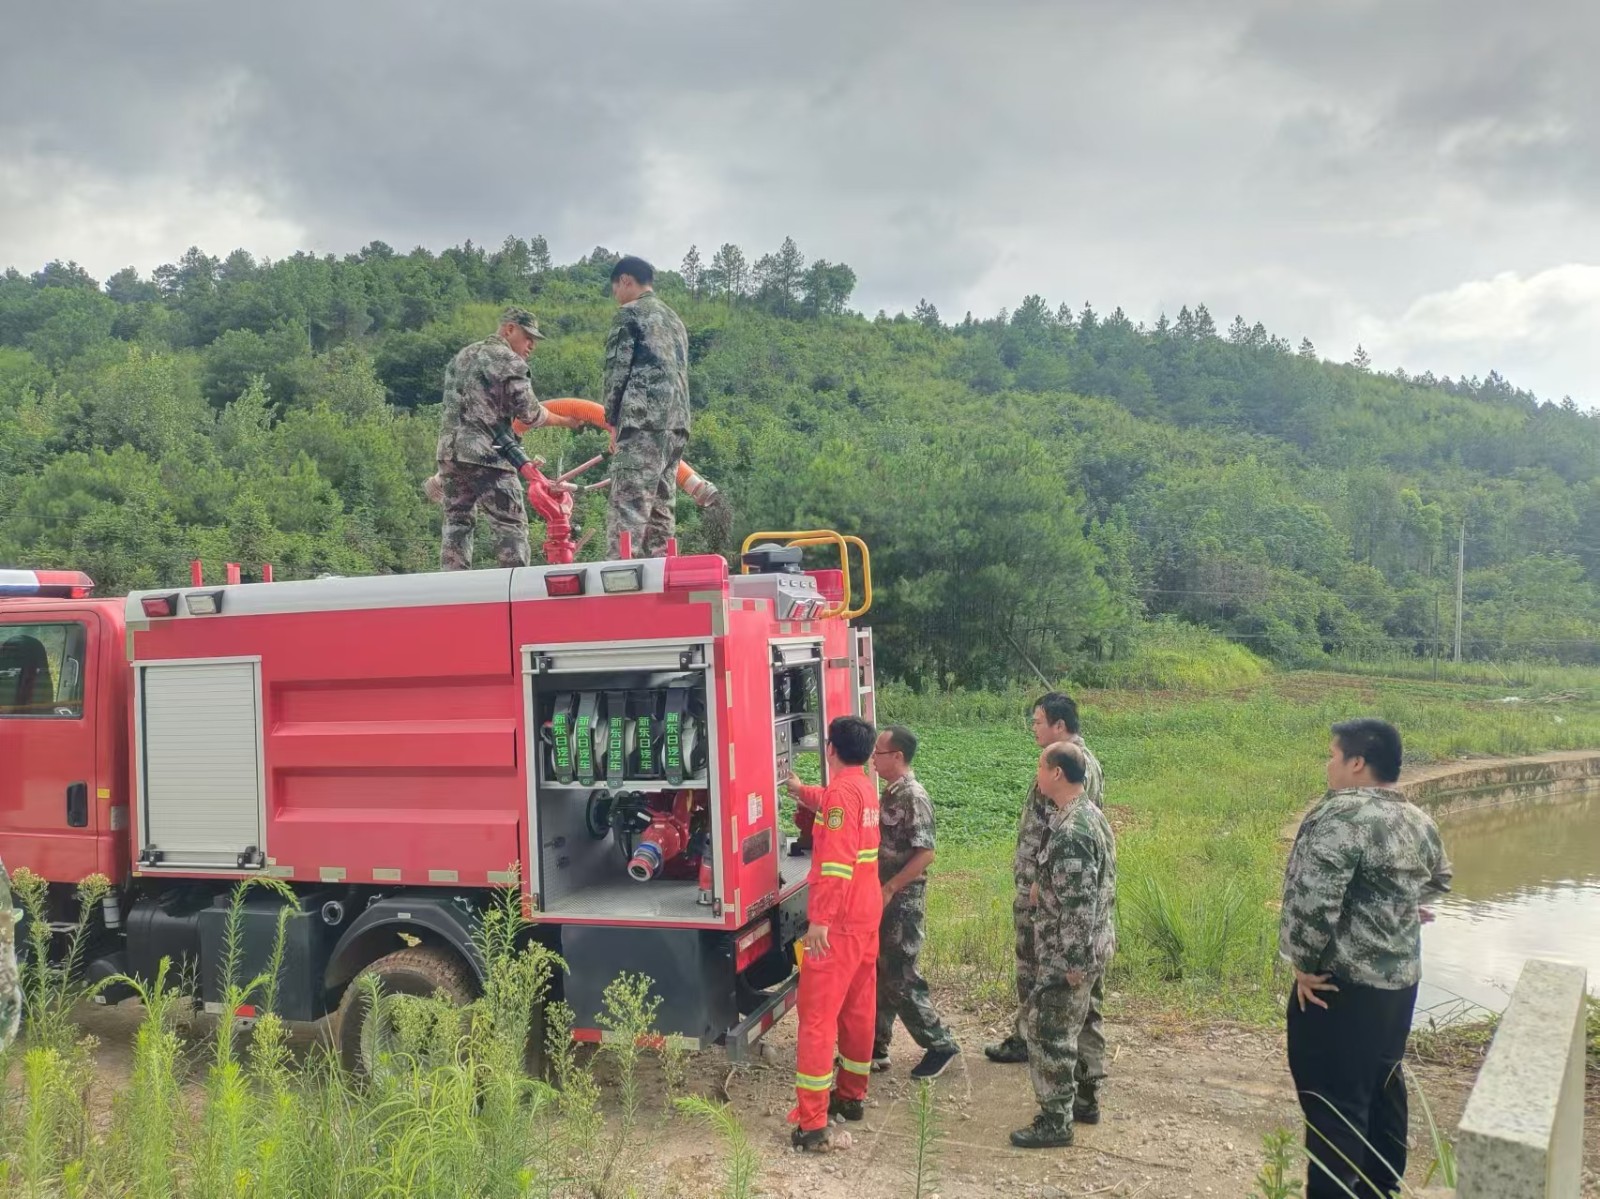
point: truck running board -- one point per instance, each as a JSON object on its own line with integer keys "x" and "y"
{"x": 742, "y": 1038}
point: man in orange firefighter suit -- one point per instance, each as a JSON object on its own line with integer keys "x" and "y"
{"x": 839, "y": 974}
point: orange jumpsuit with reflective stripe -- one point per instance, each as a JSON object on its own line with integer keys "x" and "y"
{"x": 838, "y": 989}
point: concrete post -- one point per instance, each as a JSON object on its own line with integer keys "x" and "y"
{"x": 1521, "y": 1136}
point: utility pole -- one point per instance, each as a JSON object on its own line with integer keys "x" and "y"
{"x": 1436, "y": 636}
{"x": 1461, "y": 568}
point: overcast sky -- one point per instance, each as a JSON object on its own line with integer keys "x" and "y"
{"x": 1421, "y": 176}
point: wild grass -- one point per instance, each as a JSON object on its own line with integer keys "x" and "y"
{"x": 1526, "y": 678}
{"x": 445, "y": 1110}
{"x": 1202, "y": 790}
{"x": 1168, "y": 655}
{"x": 1286, "y": 1159}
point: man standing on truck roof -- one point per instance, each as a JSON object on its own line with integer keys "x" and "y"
{"x": 1054, "y": 718}
{"x": 487, "y": 386}
{"x": 838, "y": 974}
{"x": 1074, "y": 904}
{"x": 905, "y": 851}
{"x": 647, "y": 406}
{"x": 1364, "y": 859}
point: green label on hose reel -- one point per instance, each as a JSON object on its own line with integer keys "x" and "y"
{"x": 561, "y": 735}
{"x": 673, "y": 736}
{"x": 585, "y": 739}
{"x": 614, "y": 749}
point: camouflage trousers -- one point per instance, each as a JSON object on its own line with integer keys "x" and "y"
{"x": 1091, "y": 1040}
{"x": 902, "y": 991}
{"x": 644, "y": 490}
{"x": 1054, "y": 1019}
{"x": 500, "y": 496}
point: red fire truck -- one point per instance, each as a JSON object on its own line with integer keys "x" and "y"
{"x": 608, "y": 736}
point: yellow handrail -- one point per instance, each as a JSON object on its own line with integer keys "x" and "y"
{"x": 801, "y": 538}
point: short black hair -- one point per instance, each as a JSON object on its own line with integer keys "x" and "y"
{"x": 902, "y": 740}
{"x": 1059, "y": 708}
{"x": 636, "y": 268}
{"x": 1068, "y": 759}
{"x": 1375, "y": 741}
{"x": 852, "y": 739}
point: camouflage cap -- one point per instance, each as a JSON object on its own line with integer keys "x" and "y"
{"x": 523, "y": 319}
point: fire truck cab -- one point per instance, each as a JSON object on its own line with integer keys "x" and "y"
{"x": 608, "y": 737}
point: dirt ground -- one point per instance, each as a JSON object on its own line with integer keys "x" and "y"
{"x": 1184, "y": 1113}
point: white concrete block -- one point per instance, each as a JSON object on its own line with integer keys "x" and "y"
{"x": 1521, "y": 1136}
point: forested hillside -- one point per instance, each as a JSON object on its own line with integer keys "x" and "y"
{"x": 1033, "y": 485}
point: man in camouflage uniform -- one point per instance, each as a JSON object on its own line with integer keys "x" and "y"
{"x": 647, "y": 407}
{"x": 487, "y": 385}
{"x": 905, "y": 851}
{"x": 1362, "y": 863}
{"x": 10, "y": 975}
{"x": 1055, "y": 719}
{"x": 1075, "y": 898}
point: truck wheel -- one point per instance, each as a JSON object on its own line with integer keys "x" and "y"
{"x": 424, "y": 971}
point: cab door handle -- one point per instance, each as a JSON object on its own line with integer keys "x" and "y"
{"x": 78, "y": 805}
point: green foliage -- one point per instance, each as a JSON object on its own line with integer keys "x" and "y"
{"x": 1166, "y": 655}
{"x": 743, "y": 1163}
{"x": 1032, "y": 486}
{"x": 925, "y": 1140}
{"x": 52, "y": 983}
{"x": 1201, "y": 789}
{"x": 1279, "y": 1175}
{"x": 447, "y": 1112}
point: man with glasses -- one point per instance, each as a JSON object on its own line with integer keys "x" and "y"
{"x": 905, "y": 852}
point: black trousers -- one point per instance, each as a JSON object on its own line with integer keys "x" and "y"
{"x": 1346, "y": 1067}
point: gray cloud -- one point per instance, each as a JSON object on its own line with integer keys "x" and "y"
{"x": 1325, "y": 169}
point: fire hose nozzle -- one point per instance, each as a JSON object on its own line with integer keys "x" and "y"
{"x": 700, "y": 489}
{"x": 645, "y": 863}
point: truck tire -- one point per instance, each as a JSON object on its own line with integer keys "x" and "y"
{"x": 423, "y": 970}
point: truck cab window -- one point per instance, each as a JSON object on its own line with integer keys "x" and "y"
{"x": 41, "y": 670}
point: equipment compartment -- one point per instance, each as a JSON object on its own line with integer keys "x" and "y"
{"x": 624, "y": 806}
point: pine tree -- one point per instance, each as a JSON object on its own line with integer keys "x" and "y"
{"x": 539, "y": 254}
{"x": 730, "y": 272}
{"x": 692, "y": 271}
{"x": 926, "y": 315}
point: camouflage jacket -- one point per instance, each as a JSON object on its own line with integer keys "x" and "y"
{"x": 1037, "y": 814}
{"x": 905, "y": 825}
{"x": 485, "y": 385}
{"x": 1077, "y": 877}
{"x": 10, "y": 976}
{"x": 1363, "y": 860}
{"x": 647, "y": 369}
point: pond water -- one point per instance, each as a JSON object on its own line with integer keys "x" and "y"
{"x": 1527, "y": 884}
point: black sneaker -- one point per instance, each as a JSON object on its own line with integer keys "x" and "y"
{"x": 1012, "y": 1049}
{"x": 1086, "y": 1107}
{"x": 880, "y": 1062}
{"x": 934, "y": 1063}
{"x": 818, "y": 1140}
{"x": 846, "y": 1109}
{"x": 799, "y": 849}
{"x": 1046, "y": 1132}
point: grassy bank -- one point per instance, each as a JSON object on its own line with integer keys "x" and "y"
{"x": 1200, "y": 787}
